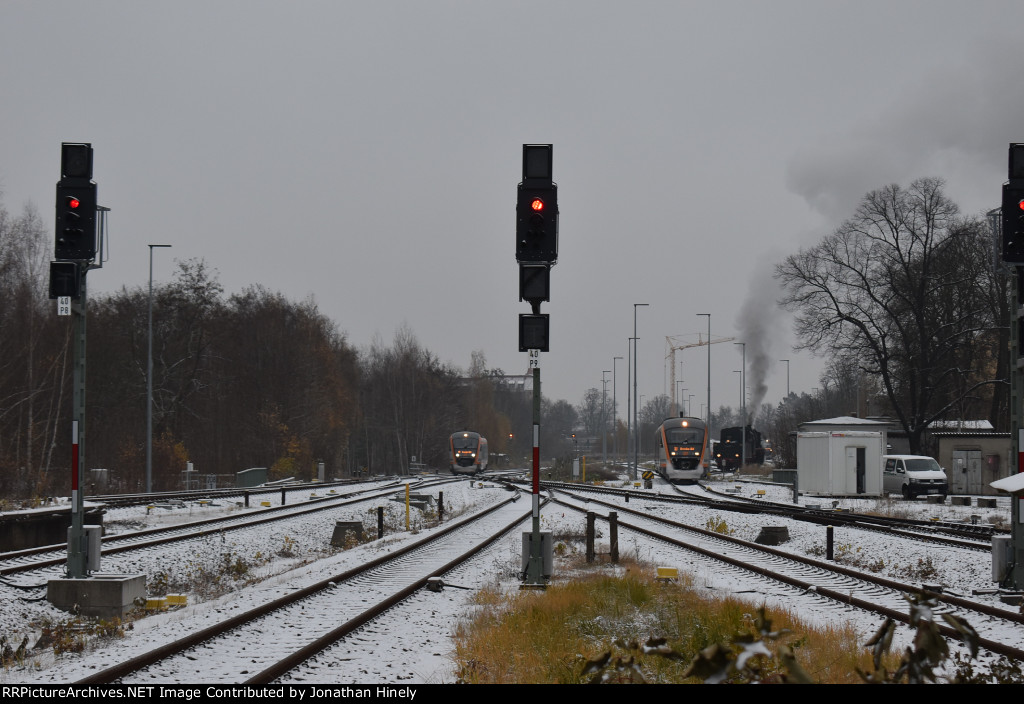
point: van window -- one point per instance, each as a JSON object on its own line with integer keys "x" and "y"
{"x": 922, "y": 464}
{"x": 899, "y": 467}
{"x": 890, "y": 465}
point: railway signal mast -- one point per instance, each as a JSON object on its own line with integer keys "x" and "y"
{"x": 536, "y": 252}
{"x": 1013, "y": 254}
{"x": 78, "y": 232}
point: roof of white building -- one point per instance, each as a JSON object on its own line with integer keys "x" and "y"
{"x": 843, "y": 420}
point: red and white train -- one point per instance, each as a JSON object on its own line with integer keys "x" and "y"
{"x": 468, "y": 452}
{"x": 682, "y": 449}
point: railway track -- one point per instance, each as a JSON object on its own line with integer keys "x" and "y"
{"x": 967, "y": 532}
{"x": 367, "y": 641}
{"x": 304, "y": 622}
{"x": 123, "y": 500}
{"x": 47, "y": 557}
{"x": 937, "y": 533}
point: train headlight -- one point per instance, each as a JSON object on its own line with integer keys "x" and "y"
{"x": 673, "y": 454}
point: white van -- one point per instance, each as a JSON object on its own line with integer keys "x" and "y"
{"x": 913, "y": 475}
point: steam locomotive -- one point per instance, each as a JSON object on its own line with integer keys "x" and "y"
{"x": 730, "y": 450}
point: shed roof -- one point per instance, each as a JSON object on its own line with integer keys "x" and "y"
{"x": 967, "y": 425}
{"x": 843, "y": 421}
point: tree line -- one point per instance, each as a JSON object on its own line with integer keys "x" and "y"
{"x": 239, "y": 381}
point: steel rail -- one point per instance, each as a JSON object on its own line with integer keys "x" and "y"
{"x": 315, "y": 647}
{"x": 758, "y": 506}
{"x": 187, "y": 531}
{"x": 146, "y": 659}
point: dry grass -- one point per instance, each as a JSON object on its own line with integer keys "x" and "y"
{"x": 890, "y": 508}
{"x": 547, "y": 637}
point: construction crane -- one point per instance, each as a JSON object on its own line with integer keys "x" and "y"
{"x": 678, "y": 342}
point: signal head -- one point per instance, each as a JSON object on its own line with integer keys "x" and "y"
{"x": 75, "y": 222}
{"x": 537, "y": 224}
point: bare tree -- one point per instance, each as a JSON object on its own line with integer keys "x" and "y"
{"x": 892, "y": 289}
{"x": 652, "y": 415}
{"x": 481, "y": 413}
{"x": 411, "y": 403}
{"x": 558, "y": 419}
{"x": 590, "y": 412}
{"x": 33, "y": 353}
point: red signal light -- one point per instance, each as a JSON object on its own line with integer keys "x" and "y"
{"x": 1021, "y": 205}
{"x": 537, "y": 205}
{"x": 73, "y": 202}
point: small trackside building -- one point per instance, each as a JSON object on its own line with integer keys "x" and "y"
{"x": 841, "y": 456}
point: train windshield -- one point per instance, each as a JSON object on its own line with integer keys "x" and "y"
{"x": 684, "y": 436}
{"x": 462, "y": 442}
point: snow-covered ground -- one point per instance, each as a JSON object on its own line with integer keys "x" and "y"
{"x": 298, "y": 552}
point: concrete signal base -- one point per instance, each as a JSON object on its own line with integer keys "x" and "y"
{"x": 99, "y": 596}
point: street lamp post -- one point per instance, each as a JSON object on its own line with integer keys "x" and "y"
{"x": 742, "y": 394}
{"x": 707, "y": 420}
{"x": 681, "y": 376}
{"x": 149, "y": 378}
{"x": 636, "y": 444}
{"x": 604, "y": 415}
{"x": 639, "y": 435}
{"x": 787, "y": 376}
{"x": 629, "y": 397}
{"x": 743, "y": 403}
{"x": 615, "y": 418}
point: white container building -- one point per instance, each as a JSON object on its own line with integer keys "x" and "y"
{"x": 841, "y": 456}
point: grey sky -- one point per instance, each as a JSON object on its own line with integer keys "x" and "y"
{"x": 367, "y": 153}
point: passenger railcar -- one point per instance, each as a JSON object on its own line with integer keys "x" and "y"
{"x": 468, "y": 452}
{"x": 682, "y": 449}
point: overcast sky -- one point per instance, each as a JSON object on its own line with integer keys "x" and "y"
{"x": 367, "y": 154}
